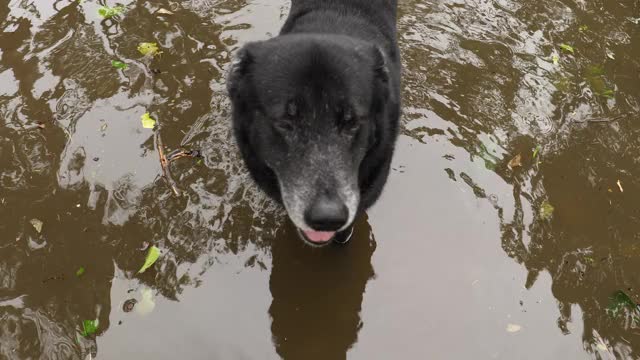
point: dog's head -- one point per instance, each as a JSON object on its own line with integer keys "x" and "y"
{"x": 308, "y": 108}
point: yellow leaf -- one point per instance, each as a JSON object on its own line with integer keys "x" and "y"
{"x": 147, "y": 121}
{"x": 513, "y": 328}
{"x": 149, "y": 49}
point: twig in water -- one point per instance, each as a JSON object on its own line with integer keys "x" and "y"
{"x": 164, "y": 163}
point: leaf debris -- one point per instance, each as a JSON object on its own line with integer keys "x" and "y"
{"x": 515, "y": 162}
{"x": 152, "y": 256}
{"x": 149, "y": 49}
{"x": 567, "y": 48}
{"x": 37, "y": 224}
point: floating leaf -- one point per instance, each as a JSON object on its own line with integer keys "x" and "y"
{"x": 513, "y": 328}
{"x": 567, "y": 48}
{"x": 546, "y": 210}
{"x": 536, "y": 151}
{"x": 583, "y": 28}
{"x": 515, "y": 162}
{"x": 104, "y": 127}
{"x": 109, "y": 12}
{"x": 80, "y": 271}
{"x": 620, "y": 302}
{"x": 89, "y": 327}
{"x": 119, "y": 65}
{"x": 149, "y": 49}
{"x": 162, "y": 11}
{"x": 152, "y": 257}
{"x": 611, "y": 55}
{"x": 147, "y": 121}
{"x": 608, "y": 93}
{"x": 37, "y": 224}
{"x": 555, "y": 59}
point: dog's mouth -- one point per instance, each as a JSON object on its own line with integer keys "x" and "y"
{"x": 317, "y": 238}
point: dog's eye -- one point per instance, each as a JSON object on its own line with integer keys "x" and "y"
{"x": 350, "y": 122}
{"x": 284, "y": 125}
{"x": 292, "y": 109}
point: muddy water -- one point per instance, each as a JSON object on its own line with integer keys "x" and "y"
{"x": 462, "y": 258}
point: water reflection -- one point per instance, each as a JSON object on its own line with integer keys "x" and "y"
{"x": 480, "y": 82}
{"x": 489, "y": 68}
{"x": 317, "y": 294}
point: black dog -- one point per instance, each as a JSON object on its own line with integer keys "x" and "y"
{"x": 316, "y": 111}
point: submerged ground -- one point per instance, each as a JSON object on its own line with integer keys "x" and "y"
{"x": 510, "y": 228}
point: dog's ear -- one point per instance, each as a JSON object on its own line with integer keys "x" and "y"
{"x": 380, "y": 67}
{"x": 240, "y": 68}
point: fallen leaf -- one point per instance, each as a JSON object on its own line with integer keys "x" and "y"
{"x": 620, "y": 186}
{"x": 119, "y": 65}
{"x": 41, "y": 125}
{"x": 583, "y": 28}
{"x": 515, "y": 162}
{"x": 147, "y": 121}
{"x": 37, "y": 224}
{"x": 611, "y": 55}
{"x": 80, "y": 271}
{"x": 556, "y": 59}
{"x": 89, "y": 327}
{"x": 104, "y": 126}
{"x": 567, "y": 48}
{"x": 536, "y": 151}
{"x": 621, "y": 303}
{"x": 608, "y": 93}
{"x": 152, "y": 257}
{"x": 162, "y": 11}
{"x": 109, "y": 12}
{"x": 513, "y": 328}
{"x": 546, "y": 210}
{"x": 149, "y": 49}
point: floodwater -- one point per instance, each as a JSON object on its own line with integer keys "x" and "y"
{"x": 464, "y": 257}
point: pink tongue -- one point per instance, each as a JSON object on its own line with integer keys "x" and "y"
{"x": 319, "y": 236}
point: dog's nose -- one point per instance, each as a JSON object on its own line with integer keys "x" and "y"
{"x": 327, "y": 214}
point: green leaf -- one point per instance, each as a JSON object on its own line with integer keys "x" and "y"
{"x": 608, "y": 93}
{"x": 119, "y": 65}
{"x": 109, "y": 12}
{"x": 536, "y": 151}
{"x": 149, "y": 49}
{"x": 567, "y": 48}
{"x": 620, "y": 301}
{"x": 556, "y": 59}
{"x": 546, "y": 210}
{"x": 147, "y": 121}
{"x": 583, "y": 28}
{"x": 80, "y": 271}
{"x": 152, "y": 256}
{"x": 89, "y": 327}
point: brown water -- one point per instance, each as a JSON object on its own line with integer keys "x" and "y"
{"x": 457, "y": 261}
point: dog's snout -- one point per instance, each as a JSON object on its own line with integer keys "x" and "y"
{"x": 327, "y": 214}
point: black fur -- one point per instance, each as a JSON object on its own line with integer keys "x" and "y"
{"x": 330, "y": 82}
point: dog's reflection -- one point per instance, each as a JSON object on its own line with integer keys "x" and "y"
{"x": 317, "y": 294}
